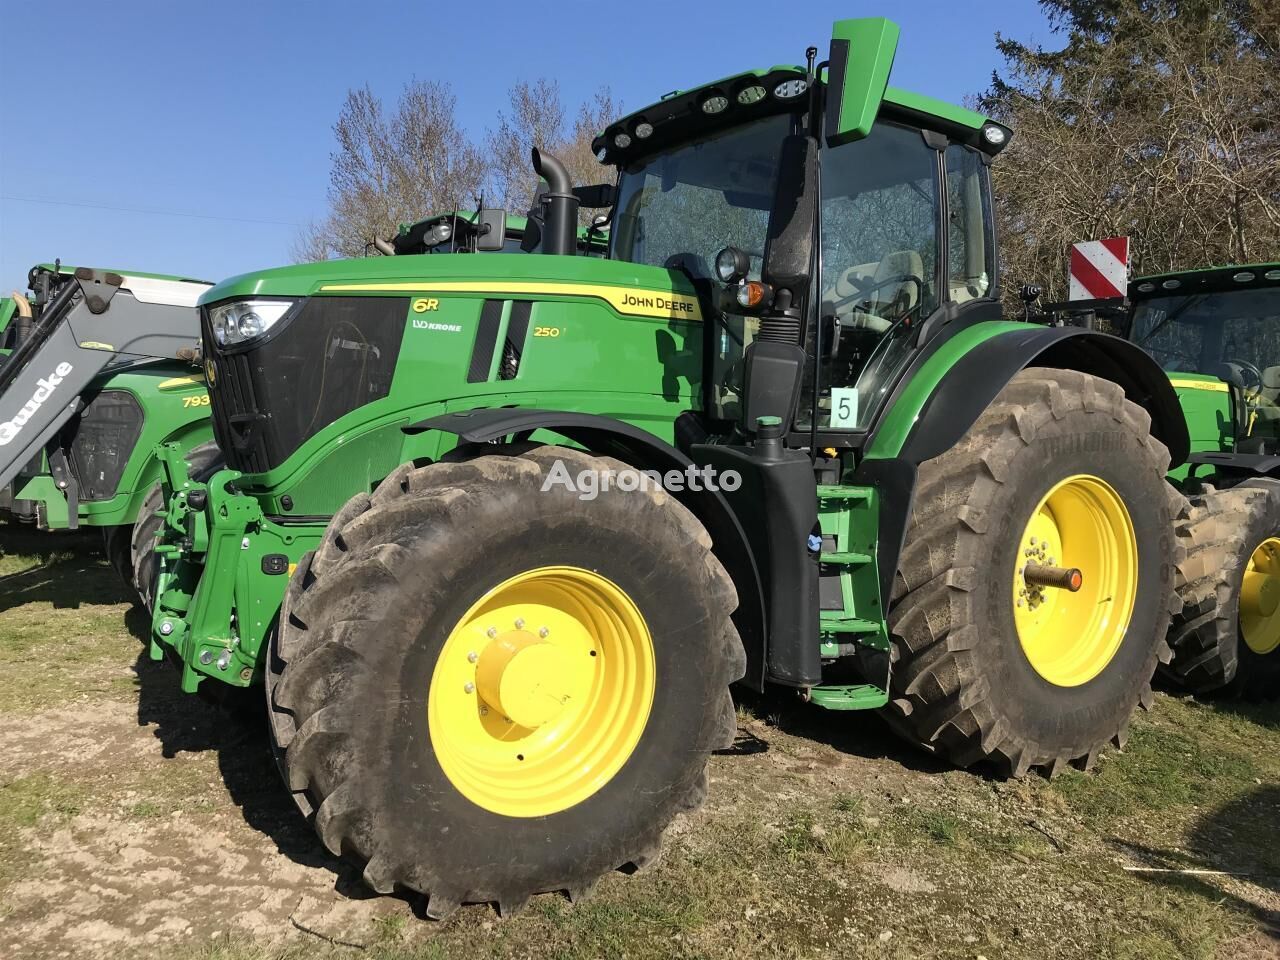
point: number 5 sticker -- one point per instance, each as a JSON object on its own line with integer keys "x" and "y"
{"x": 844, "y": 407}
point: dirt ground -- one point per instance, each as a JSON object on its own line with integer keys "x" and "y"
{"x": 138, "y": 821}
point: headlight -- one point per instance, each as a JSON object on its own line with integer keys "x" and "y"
{"x": 732, "y": 264}
{"x": 243, "y": 320}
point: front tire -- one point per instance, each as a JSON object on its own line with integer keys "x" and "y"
{"x": 407, "y": 729}
{"x": 1060, "y": 471}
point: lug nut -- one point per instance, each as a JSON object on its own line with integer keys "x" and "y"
{"x": 542, "y": 632}
{"x": 519, "y": 624}
{"x": 472, "y": 657}
{"x": 469, "y": 687}
{"x": 491, "y": 632}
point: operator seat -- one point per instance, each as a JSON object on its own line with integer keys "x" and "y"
{"x": 1266, "y": 404}
{"x": 886, "y": 300}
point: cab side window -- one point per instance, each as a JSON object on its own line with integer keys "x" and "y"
{"x": 970, "y": 238}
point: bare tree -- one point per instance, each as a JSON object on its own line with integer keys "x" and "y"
{"x": 1159, "y": 119}
{"x": 392, "y": 167}
{"x": 537, "y": 118}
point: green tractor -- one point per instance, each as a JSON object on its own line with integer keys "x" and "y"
{"x": 99, "y": 367}
{"x": 1217, "y": 333}
{"x": 498, "y": 533}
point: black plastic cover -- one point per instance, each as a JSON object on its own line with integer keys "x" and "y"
{"x": 788, "y": 250}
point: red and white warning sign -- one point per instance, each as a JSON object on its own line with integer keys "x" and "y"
{"x": 1099, "y": 268}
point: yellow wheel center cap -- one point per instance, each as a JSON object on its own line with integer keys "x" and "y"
{"x": 541, "y": 691}
{"x": 524, "y": 678}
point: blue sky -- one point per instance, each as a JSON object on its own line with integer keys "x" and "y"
{"x": 206, "y": 128}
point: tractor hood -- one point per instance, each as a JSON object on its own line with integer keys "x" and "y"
{"x": 630, "y": 288}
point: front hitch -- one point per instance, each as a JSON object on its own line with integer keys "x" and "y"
{"x": 202, "y": 522}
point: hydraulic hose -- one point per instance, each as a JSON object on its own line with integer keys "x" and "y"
{"x": 21, "y": 326}
{"x": 50, "y": 317}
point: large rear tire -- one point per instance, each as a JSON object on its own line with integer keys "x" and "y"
{"x": 1226, "y": 636}
{"x": 408, "y": 682}
{"x": 1060, "y": 471}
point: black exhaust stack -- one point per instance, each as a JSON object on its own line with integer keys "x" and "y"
{"x": 559, "y": 206}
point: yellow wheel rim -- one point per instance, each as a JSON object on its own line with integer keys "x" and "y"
{"x": 541, "y": 692}
{"x": 1260, "y": 598}
{"x": 1070, "y": 637}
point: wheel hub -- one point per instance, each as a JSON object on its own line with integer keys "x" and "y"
{"x": 526, "y": 679}
{"x": 1075, "y": 580}
{"x": 1260, "y": 598}
{"x": 541, "y": 691}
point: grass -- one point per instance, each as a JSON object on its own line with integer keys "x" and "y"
{"x": 27, "y": 800}
{"x": 825, "y": 838}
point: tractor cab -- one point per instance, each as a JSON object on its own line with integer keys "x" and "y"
{"x": 1216, "y": 332}
{"x": 889, "y": 243}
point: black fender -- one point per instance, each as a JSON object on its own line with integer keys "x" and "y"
{"x": 973, "y": 382}
{"x": 1238, "y": 466}
{"x": 642, "y": 450}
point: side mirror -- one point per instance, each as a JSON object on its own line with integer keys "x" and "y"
{"x": 596, "y": 196}
{"x": 788, "y": 250}
{"x": 491, "y": 231}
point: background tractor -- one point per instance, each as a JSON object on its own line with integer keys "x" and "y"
{"x": 1217, "y": 333}
{"x": 99, "y": 367}
{"x": 483, "y": 684}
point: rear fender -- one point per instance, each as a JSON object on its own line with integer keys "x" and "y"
{"x": 644, "y": 451}
{"x": 966, "y": 385}
{"x": 969, "y": 383}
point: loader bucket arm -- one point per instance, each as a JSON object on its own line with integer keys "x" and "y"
{"x": 97, "y": 320}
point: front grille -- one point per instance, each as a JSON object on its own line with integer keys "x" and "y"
{"x": 103, "y": 441}
{"x": 235, "y": 412}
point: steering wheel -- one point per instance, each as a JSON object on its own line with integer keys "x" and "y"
{"x": 864, "y": 291}
{"x": 1254, "y": 384}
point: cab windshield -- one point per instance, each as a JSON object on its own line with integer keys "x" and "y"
{"x": 1232, "y": 334}
{"x": 679, "y": 208}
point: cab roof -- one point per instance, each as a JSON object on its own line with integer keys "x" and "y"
{"x": 681, "y": 115}
{"x": 1205, "y": 280}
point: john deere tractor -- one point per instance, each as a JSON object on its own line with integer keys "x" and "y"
{"x": 98, "y": 368}
{"x": 1217, "y": 333}
{"x": 498, "y": 533}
